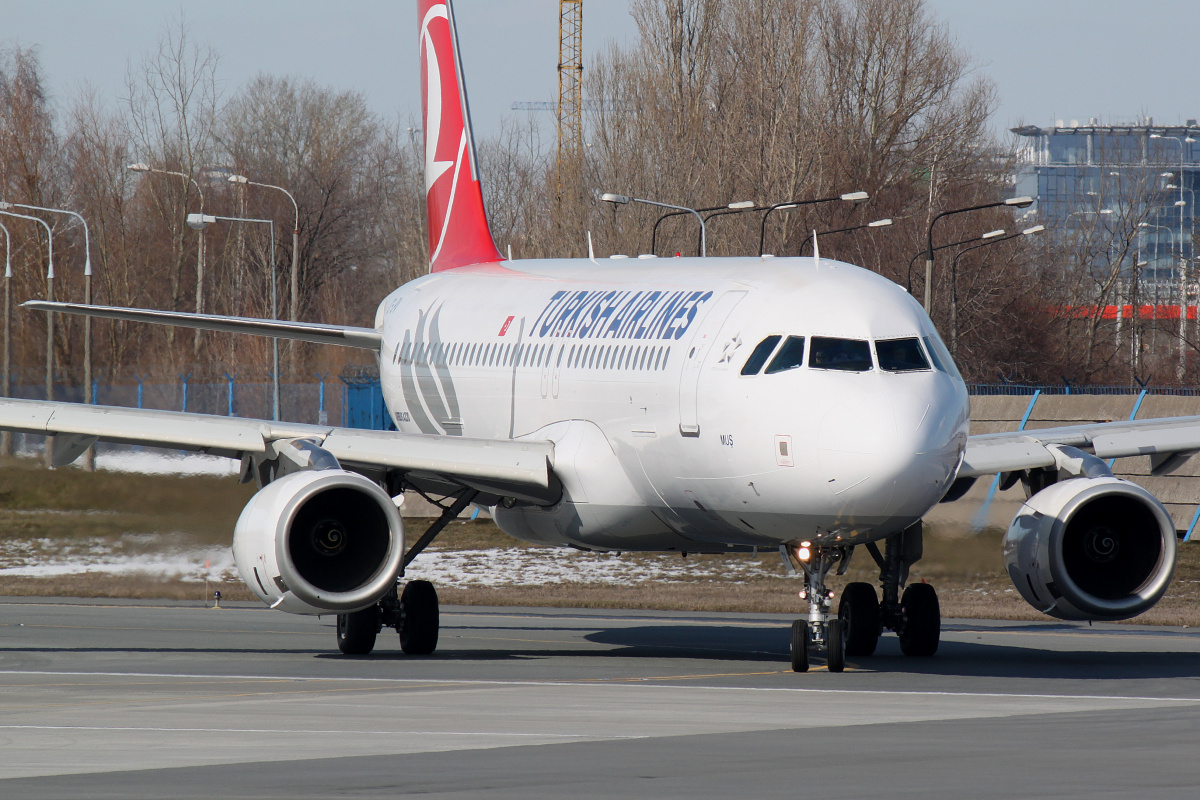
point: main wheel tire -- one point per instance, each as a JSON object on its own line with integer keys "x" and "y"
{"x": 835, "y": 646}
{"x": 859, "y": 613}
{"x": 357, "y": 630}
{"x": 419, "y": 618}
{"x": 922, "y": 627}
{"x": 800, "y": 639}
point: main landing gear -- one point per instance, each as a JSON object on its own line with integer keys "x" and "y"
{"x": 914, "y": 616}
{"x": 413, "y": 612}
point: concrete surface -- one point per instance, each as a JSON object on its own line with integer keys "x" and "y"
{"x": 107, "y": 700}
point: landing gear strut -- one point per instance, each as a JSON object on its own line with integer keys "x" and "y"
{"x": 413, "y": 613}
{"x": 915, "y": 616}
{"x": 821, "y": 629}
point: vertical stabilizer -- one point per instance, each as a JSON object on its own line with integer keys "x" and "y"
{"x": 458, "y": 227}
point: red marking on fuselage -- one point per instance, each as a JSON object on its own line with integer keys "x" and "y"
{"x": 504, "y": 327}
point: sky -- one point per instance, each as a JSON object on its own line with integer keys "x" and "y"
{"x": 1049, "y": 59}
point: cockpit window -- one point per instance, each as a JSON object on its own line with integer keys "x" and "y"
{"x": 851, "y": 355}
{"x": 900, "y": 355}
{"x": 941, "y": 356}
{"x": 790, "y": 356}
{"x": 760, "y": 355}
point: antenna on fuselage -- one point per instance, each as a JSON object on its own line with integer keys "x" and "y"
{"x": 510, "y": 251}
{"x": 591, "y": 253}
{"x": 816, "y": 251}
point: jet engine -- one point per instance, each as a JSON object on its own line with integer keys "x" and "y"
{"x": 1091, "y": 548}
{"x": 319, "y": 542}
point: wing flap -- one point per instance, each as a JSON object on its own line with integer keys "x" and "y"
{"x": 317, "y": 333}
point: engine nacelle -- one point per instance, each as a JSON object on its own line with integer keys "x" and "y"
{"x": 1091, "y": 548}
{"x": 319, "y": 542}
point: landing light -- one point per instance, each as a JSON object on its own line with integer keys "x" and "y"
{"x": 804, "y": 553}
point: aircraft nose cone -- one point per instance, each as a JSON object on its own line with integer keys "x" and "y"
{"x": 892, "y": 456}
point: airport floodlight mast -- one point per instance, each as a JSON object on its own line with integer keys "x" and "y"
{"x": 879, "y": 223}
{"x": 741, "y": 205}
{"x": 623, "y": 200}
{"x": 1017, "y": 202}
{"x": 850, "y": 197}
{"x": 294, "y": 278}
{"x": 197, "y": 222}
{"x": 146, "y": 168}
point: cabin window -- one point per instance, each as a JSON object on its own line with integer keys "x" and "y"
{"x": 790, "y": 355}
{"x": 657, "y": 356}
{"x": 900, "y": 355}
{"x": 762, "y": 352}
{"x": 666, "y": 357}
{"x": 848, "y": 355}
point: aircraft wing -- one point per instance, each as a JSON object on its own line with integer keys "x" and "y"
{"x": 1167, "y": 441}
{"x": 498, "y": 468}
{"x": 344, "y": 335}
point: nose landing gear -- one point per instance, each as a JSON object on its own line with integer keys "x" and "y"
{"x": 821, "y": 629}
{"x": 915, "y": 616}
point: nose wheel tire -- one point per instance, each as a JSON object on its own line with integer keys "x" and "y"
{"x": 859, "y": 613}
{"x": 800, "y": 640}
{"x": 357, "y": 630}
{"x": 835, "y": 646}
{"x": 922, "y": 626}
{"x": 419, "y": 619}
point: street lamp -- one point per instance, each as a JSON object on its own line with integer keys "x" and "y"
{"x": 954, "y": 277}
{"x": 198, "y": 222}
{"x": 620, "y": 199}
{"x": 87, "y": 299}
{"x": 879, "y": 223}
{"x": 741, "y": 205}
{"x": 145, "y": 168}
{"x": 980, "y": 238}
{"x": 851, "y": 197}
{"x": 1018, "y": 202}
{"x": 6, "y": 436}
{"x": 1181, "y": 368}
{"x": 294, "y": 290}
{"x": 49, "y": 314}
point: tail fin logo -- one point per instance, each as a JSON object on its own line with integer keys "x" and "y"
{"x": 458, "y": 230}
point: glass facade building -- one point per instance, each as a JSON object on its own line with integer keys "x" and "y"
{"x": 1099, "y": 175}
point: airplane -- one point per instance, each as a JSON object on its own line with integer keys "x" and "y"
{"x": 693, "y": 405}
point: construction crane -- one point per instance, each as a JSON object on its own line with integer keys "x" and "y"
{"x": 570, "y": 86}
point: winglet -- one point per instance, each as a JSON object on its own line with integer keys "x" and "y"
{"x": 458, "y": 226}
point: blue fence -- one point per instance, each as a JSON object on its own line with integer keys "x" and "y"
{"x": 1019, "y": 389}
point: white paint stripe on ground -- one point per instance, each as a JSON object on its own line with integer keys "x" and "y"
{"x": 631, "y": 682}
{"x": 315, "y": 732}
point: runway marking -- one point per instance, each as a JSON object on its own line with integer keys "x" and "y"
{"x": 317, "y": 732}
{"x": 438, "y": 682}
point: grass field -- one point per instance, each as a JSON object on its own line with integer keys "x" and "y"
{"x": 45, "y": 513}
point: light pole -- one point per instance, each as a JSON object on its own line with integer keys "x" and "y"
{"x": 982, "y": 237}
{"x": 49, "y": 314}
{"x": 198, "y": 221}
{"x": 1019, "y": 202}
{"x": 620, "y": 199}
{"x": 6, "y": 448}
{"x": 879, "y": 223}
{"x": 657, "y": 222}
{"x": 850, "y": 197}
{"x": 294, "y": 290}
{"x": 1181, "y": 367}
{"x": 140, "y": 167}
{"x": 954, "y": 278}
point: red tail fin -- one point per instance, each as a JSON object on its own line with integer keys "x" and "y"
{"x": 458, "y": 227}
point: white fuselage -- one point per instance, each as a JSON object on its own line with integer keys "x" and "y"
{"x": 634, "y": 369}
